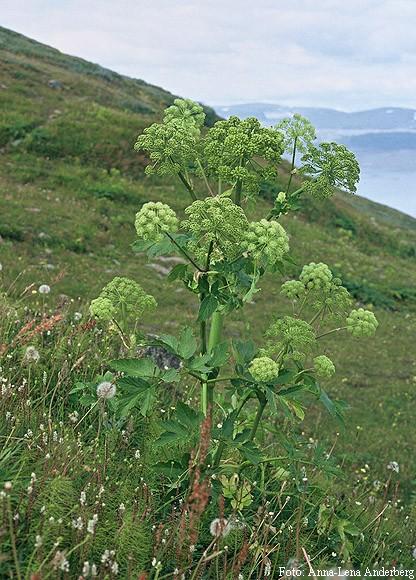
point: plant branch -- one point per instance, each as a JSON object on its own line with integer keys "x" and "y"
{"x": 184, "y": 253}
{"x": 187, "y": 185}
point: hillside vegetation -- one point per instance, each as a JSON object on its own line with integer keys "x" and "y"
{"x": 71, "y": 183}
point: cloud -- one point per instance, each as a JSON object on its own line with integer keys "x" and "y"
{"x": 350, "y": 55}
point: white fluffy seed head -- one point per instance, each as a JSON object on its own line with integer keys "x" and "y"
{"x": 106, "y": 390}
{"x": 219, "y": 527}
{"x": 44, "y": 289}
{"x": 31, "y": 355}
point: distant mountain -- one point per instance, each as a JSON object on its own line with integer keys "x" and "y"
{"x": 386, "y": 118}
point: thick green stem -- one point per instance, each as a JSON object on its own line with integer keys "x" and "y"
{"x": 215, "y": 332}
{"x": 292, "y": 167}
{"x": 260, "y": 410}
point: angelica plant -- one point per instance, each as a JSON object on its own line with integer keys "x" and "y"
{"x": 226, "y": 254}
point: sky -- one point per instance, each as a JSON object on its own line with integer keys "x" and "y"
{"x": 345, "y": 54}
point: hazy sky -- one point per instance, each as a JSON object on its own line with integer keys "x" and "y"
{"x": 349, "y": 54}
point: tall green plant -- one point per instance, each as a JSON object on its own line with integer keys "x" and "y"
{"x": 225, "y": 255}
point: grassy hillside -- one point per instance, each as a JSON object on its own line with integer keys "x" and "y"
{"x": 70, "y": 184}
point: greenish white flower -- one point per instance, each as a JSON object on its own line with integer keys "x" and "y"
{"x": 281, "y": 196}
{"x": 218, "y": 220}
{"x": 330, "y": 165}
{"x": 316, "y": 276}
{"x": 263, "y": 369}
{"x": 293, "y": 289}
{"x": 324, "y": 367}
{"x": 121, "y": 298}
{"x": 362, "y": 323}
{"x": 293, "y": 334}
{"x": 266, "y": 240}
{"x": 154, "y": 220}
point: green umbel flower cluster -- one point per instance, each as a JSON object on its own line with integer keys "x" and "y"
{"x": 218, "y": 220}
{"x": 362, "y": 323}
{"x": 232, "y": 145}
{"x": 336, "y": 299}
{"x": 298, "y": 129}
{"x": 103, "y": 309}
{"x": 293, "y": 289}
{"x": 122, "y": 298}
{"x": 173, "y": 144}
{"x": 330, "y": 165}
{"x": 324, "y": 367}
{"x": 263, "y": 369}
{"x": 293, "y": 334}
{"x": 154, "y": 219}
{"x": 267, "y": 241}
{"x": 187, "y": 111}
{"x": 316, "y": 276}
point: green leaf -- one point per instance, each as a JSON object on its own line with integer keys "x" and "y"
{"x": 207, "y": 308}
{"x": 219, "y": 355}
{"x": 335, "y": 408}
{"x": 161, "y": 248}
{"x": 244, "y": 351}
{"x": 178, "y": 271}
{"x": 187, "y": 416}
{"x": 141, "y": 245}
{"x": 171, "y": 376}
{"x": 136, "y": 392}
{"x": 199, "y": 363}
{"x": 251, "y": 452}
{"x": 187, "y": 344}
{"x": 136, "y": 367}
{"x": 171, "y": 342}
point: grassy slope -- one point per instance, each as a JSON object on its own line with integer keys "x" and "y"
{"x": 70, "y": 184}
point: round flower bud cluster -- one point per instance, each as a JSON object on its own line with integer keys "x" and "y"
{"x": 263, "y": 369}
{"x": 292, "y": 333}
{"x": 362, "y": 322}
{"x": 120, "y": 298}
{"x": 103, "y": 309}
{"x": 266, "y": 239}
{"x": 154, "y": 219}
{"x": 316, "y": 276}
{"x": 324, "y": 367}
{"x": 218, "y": 220}
{"x": 292, "y": 289}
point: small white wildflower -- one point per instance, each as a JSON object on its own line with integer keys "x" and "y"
{"x": 77, "y": 524}
{"x": 77, "y": 316}
{"x": 106, "y": 390}
{"x": 94, "y": 571}
{"x": 8, "y": 485}
{"x": 121, "y": 509}
{"x": 82, "y": 498}
{"x": 86, "y": 569}
{"x": 114, "y": 568}
{"x": 219, "y": 527}
{"x": 31, "y": 355}
{"x": 414, "y": 553}
{"x": 44, "y": 289}
{"x": 393, "y": 466}
{"x": 92, "y": 523}
{"x": 38, "y": 541}
{"x": 137, "y": 454}
{"x": 73, "y": 417}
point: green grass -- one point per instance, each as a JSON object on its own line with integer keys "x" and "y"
{"x": 70, "y": 184}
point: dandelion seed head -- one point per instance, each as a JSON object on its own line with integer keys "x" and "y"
{"x": 44, "y": 289}
{"x": 106, "y": 390}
